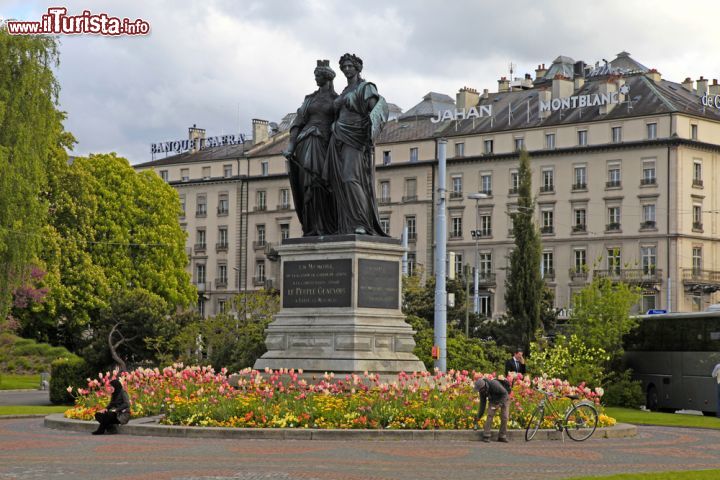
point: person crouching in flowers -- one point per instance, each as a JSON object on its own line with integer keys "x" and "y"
{"x": 116, "y": 413}
{"x": 494, "y": 392}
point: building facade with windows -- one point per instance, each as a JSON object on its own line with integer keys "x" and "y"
{"x": 624, "y": 163}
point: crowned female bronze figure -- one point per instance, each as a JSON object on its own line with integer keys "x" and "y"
{"x": 307, "y": 153}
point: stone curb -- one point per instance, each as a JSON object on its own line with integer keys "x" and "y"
{"x": 139, "y": 428}
{"x": 22, "y": 415}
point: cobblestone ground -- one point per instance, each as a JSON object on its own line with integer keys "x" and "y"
{"x": 28, "y": 450}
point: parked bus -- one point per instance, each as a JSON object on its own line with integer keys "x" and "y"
{"x": 673, "y": 355}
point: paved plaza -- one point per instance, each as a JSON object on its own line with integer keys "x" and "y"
{"x": 28, "y": 450}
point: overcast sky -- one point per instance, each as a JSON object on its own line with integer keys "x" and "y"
{"x": 220, "y": 63}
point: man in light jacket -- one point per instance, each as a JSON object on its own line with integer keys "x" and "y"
{"x": 716, "y": 376}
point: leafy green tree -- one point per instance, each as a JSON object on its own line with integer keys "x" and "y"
{"x": 601, "y": 316}
{"x": 569, "y": 359}
{"x": 31, "y": 135}
{"x": 230, "y": 341}
{"x": 111, "y": 230}
{"x": 524, "y": 285}
{"x": 463, "y": 353}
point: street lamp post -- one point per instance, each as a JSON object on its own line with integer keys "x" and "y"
{"x": 440, "y": 320}
{"x": 476, "y": 235}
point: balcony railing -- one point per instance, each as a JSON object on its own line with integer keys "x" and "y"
{"x": 456, "y": 195}
{"x": 201, "y": 285}
{"x": 456, "y": 236}
{"x": 648, "y": 181}
{"x": 547, "y": 188}
{"x": 612, "y": 227}
{"x": 412, "y": 236}
{"x": 579, "y": 228}
{"x": 547, "y": 230}
{"x": 200, "y": 247}
{"x": 481, "y": 233}
{"x": 259, "y": 281}
{"x": 221, "y": 283}
{"x": 201, "y": 212}
{"x": 383, "y": 200}
{"x": 221, "y": 247}
{"x": 648, "y": 224}
{"x": 697, "y": 226}
{"x": 612, "y": 184}
{"x": 257, "y": 244}
{"x": 513, "y": 191}
{"x": 222, "y": 211}
{"x": 486, "y": 192}
{"x": 283, "y": 206}
{"x": 697, "y": 182}
{"x": 578, "y": 275}
{"x": 699, "y": 276}
{"x": 260, "y": 208}
{"x": 409, "y": 198}
{"x": 632, "y": 275}
{"x": 580, "y": 186}
{"x": 549, "y": 274}
{"x": 486, "y": 279}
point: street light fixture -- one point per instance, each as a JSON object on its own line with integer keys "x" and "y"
{"x": 476, "y": 235}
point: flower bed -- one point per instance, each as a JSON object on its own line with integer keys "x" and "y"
{"x": 285, "y": 399}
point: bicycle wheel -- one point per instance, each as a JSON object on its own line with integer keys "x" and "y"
{"x": 534, "y": 423}
{"x": 581, "y": 422}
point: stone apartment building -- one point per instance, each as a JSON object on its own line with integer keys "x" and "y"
{"x": 624, "y": 168}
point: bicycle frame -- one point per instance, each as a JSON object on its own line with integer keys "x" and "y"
{"x": 579, "y": 420}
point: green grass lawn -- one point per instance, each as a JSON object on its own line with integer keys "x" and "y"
{"x": 31, "y": 410}
{"x": 686, "y": 475}
{"x": 638, "y": 417}
{"x": 11, "y": 381}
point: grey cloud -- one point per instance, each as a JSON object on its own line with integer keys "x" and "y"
{"x": 204, "y": 61}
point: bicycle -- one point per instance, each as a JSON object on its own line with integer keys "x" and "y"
{"x": 579, "y": 421}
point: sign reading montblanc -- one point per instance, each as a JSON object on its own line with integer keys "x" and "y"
{"x": 580, "y": 101}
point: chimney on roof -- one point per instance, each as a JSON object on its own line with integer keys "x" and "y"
{"x": 503, "y": 85}
{"x": 562, "y": 86}
{"x": 654, "y": 75}
{"x": 485, "y": 94}
{"x": 544, "y": 96}
{"x": 579, "y": 82}
{"x": 196, "y": 137}
{"x": 466, "y": 98}
{"x": 540, "y": 72}
{"x": 688, "y": 84}
{"x": 714, "y": 89}
{"x": 260, "y": 131}
{"x": 702, "y": 86}
{"x": 610, "y": 87}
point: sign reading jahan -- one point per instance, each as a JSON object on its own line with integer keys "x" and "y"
{"x": 462, "y": 114}
{"x": 178, "y": 146}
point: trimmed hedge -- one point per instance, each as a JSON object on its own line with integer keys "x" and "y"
{"x": 67, "y": 372}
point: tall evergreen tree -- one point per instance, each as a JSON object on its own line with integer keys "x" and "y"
{"x": 30, "y": 133}
{"x": 524, "y": 284}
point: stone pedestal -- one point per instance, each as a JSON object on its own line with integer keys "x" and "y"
{"x": 340, "y": 308}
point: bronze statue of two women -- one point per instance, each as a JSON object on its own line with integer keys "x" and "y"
{"x": 330, "y": 153}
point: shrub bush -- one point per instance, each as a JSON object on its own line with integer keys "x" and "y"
{"x": 622, "y": 391}
{"x": 64, "y": 373}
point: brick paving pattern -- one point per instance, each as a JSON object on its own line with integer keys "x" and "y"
{"x": 28, "y": 450}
